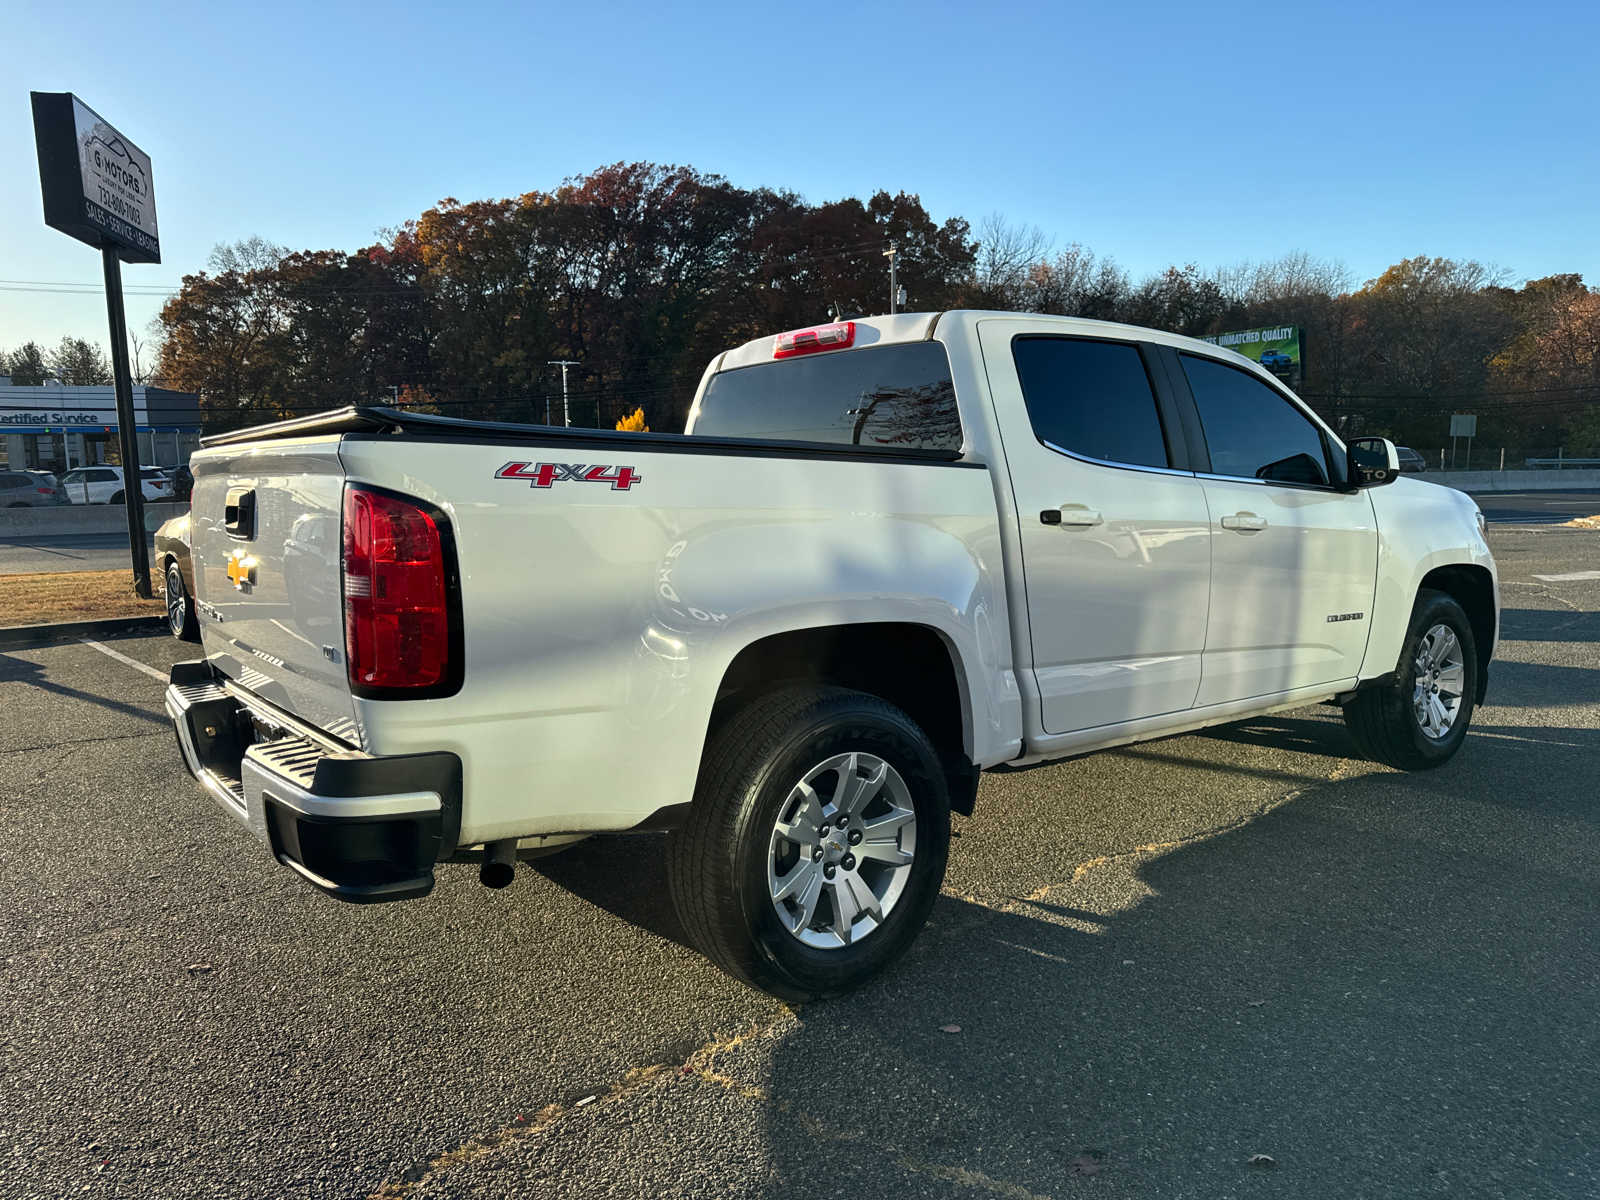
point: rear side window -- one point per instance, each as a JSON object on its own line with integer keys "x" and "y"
{"x": 14, "y": 481}
{"x": 1091, "y": 398}
{"x": 1252, "y": 431}
{"x": 894, "y": 397}
{"x": 102, "y": 476}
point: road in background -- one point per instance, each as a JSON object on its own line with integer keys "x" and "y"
{"x": 1537, "y": 508}
{"x": 78, "y": 552}
{"x": 1164, "y": 959}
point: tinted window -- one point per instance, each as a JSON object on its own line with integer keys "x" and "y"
{"x": 102, "y": 476}
{"x": 14, "y": 481}
{"x": 1092, "y": 398}
{"x": 897, "y": 397}
{"x": 1251, "y": 430}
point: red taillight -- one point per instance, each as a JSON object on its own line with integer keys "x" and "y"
{"x": 396, "y": 605}
{"x": 839, "y": 336}
{"x": 47, "y": 491}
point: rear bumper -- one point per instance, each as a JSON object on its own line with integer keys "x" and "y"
{"x": 363, "y": 829}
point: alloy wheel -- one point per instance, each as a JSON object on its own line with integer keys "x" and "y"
{"x": 177, "y": 601}
{"x": 1439, "y": 682}
{"x": 841, "y": 850}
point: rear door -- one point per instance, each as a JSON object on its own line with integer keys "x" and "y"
{"x": 100, "y": 484}
{"x": 1113, "y": 527}
{"x": 1294, "y": 561}
{"x": 265, "y": 538}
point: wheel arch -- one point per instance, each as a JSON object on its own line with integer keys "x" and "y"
{"x": 1472, "y": 587}
{"x": 914, "y": 667}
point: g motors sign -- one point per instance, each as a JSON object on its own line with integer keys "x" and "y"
{"x": 97, "y": 184}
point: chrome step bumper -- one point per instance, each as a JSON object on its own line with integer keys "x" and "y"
{"x": 359, "y": 827}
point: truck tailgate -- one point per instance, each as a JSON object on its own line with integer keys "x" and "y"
{"x": 265, "y": 533}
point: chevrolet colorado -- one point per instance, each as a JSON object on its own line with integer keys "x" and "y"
{"x": 883, "y": 556}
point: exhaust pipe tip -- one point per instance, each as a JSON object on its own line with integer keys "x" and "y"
{"x": 499, "y": 868}
{"x": 496, "y": 875}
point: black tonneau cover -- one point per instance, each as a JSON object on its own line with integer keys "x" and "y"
{"x": 375, "y": 421}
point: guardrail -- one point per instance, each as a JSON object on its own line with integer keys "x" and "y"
{"x": 1514, "y": 481}
{"x": 1561, "y": 464}
{"x": 68, "y": 520}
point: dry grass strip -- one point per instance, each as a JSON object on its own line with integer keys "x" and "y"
{"x": 35, "y": 599}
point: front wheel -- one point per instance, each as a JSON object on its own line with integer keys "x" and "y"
{"x": 816, "y": 843}
{"x": 1420, "y": 720}
{"x": 117, "y": 498}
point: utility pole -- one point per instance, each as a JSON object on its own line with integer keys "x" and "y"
{"x": 564, "y": 363}
{"x": 893, "y": 255}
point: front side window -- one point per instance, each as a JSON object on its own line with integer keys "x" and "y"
{"x": 1251, "y": 431}
{"x": 897, "y": 397}
{"x": 1091, "y": 398}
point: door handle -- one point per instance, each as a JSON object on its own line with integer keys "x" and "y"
{"x": 1245, "y": 523}
{"x": 1074, "y": 518}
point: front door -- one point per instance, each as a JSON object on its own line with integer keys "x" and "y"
{"x": 1293, "y": 561}
{"x": 1114, "y": 537}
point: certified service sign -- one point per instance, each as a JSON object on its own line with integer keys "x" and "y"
{"x": 97, "y": 184}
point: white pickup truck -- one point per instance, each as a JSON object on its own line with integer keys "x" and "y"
{"x": 885, "y": 555}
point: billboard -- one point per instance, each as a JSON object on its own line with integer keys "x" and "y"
{"x": 1275, "y": 347}
{"x": 97, "y": 184}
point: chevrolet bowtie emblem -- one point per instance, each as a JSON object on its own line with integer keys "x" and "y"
{"x": 241, "y": 570}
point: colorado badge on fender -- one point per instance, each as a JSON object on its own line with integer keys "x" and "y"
{"x": 546, "y": 475}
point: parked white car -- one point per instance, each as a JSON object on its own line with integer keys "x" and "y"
{"x": 886, "y": 555}
{"x": 103, "y": 485}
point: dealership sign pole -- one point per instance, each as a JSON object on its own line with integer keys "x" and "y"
{"x": 97, "y": 188}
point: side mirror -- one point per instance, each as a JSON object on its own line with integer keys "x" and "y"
{"x": 1373, "y": 462}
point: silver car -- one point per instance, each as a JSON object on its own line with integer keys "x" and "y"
{"x": 29, "y": 489}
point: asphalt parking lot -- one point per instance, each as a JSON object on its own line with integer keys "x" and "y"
{"x": 1166, "y": 959}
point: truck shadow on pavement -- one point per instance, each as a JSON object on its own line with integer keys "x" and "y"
{"x": 1548, "y": 625}
{"x": 625, "y": 874}
{"x": 1386, "y": 983}
{"x": 1373, "y": 984}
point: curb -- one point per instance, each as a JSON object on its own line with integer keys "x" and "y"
{"x": 66, "y": 631}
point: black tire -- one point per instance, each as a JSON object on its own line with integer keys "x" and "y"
{"x": 1384, "y": 722}
{"x": 718, "y": 862}
{"x": 117, "y": 498}
{"x": 182, "y": 622}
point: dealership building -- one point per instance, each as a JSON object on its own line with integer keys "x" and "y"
{"x": 54, "y": 428}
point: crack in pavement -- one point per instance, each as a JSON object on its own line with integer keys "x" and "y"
{"x": 635, "y": 1080}
{"x": 1344, "y": 768}
{"x": 120, "y": 737}
{"x": 699, "y": 1067}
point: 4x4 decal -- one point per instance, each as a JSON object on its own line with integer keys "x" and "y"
{"x": 546, "y": 475}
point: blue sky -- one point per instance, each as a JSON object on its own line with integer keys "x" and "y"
{"x": 1154, "y": 133}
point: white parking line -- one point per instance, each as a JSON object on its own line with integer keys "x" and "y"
{"x": 1568, "y": 578}
{"x": 123, "y": 658}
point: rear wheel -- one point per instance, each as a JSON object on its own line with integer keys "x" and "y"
{"x": 117, "y": 498}
{"x": 1420, "y": 720}
{"x": 181, "y": 619}
{"x": 816, "y": 842}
